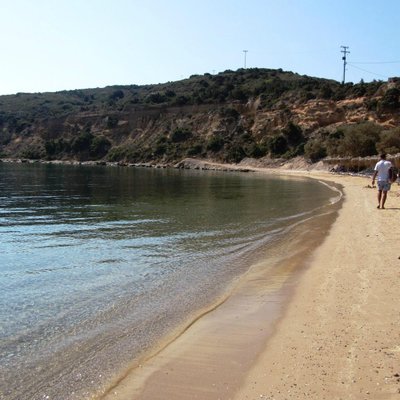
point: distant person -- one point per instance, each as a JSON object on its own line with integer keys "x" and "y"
{"x": 382, "y": 171}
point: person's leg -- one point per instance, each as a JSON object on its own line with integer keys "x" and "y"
{"x": 384, "y": 195}
{"x": 379, "y": 198}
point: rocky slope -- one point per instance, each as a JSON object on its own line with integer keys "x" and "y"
{"x": 225, "y": 117}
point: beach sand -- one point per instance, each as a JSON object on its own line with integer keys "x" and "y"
{"x": 340, "y": 334}
{"x": 337, "y": 336}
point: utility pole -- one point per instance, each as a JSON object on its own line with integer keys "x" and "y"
{"x": 345, "y": 52}
{"x": 245, "y": 55}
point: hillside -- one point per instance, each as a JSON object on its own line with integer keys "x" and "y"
{"x": 225, "y": 117}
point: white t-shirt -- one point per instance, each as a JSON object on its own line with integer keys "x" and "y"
{"x": 382, "y": 167}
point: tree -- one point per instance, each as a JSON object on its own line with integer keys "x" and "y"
{"x": 180, "y": 135}
{"x": 215, "y": 143}
{"x": 235, "y": 153}
{"x": 390, "y": 100}
{"x": 359, "y": 140}
{"x": 278, "y": 145}
{"x": 314, "y": 150}
{"x": 390, "y": 141}
{"x": 116, "y": 95}
{"x": 99, "y": 146}
{"x": 293, "y": 134}
{"x": 82, "y": 142}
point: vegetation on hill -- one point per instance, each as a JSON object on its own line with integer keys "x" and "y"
{"x": 225, "y": 117}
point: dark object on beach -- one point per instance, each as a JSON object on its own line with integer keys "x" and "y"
{"x": 392, "y": 175}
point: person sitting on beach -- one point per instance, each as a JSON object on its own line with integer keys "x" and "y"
{"x": 382, "y": 170}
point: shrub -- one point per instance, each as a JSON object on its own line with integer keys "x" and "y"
{"x": 256, "y": 150}
{"x": 99, "y": 146}
{"x": 389, "y": 141}
{"x": 82, "y": 143}
{"x": 156, "y": 98}
{"x": 278, "y": 145}
{"x": 181, "y": 100}
{"x": 160, "y": 149}
{"x": 116, "y": 95}
{"x": 238, "y": 94}
{"x": 293, "y": 134}
{"x": 117, "y": 153}
{"x": 235, "y": 153}
{"x": 112, "y": 121}
{"x": 180, "y": 135}
{"x": 390, "y": 100}
{"x": 32, "y": 152}
{"x": 57, "y": 147}
{"x": 170, "y": 93}
{"x": 215, "y": 143}
{"x": 195, "y": 150}
{"x": 314, "y": 150}
{"x": 326, "y": 92}
{"x": 229, "y": 113}
{"x": 359, "y": 140}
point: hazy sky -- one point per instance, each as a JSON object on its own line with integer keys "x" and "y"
{"x": 50, "y": 45}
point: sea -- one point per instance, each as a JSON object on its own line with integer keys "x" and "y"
{"x": 100, "y": 263}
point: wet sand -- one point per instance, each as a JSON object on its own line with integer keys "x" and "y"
{"x": 337, "y": 336}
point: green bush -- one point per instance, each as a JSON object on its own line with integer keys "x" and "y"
{"x": 332, "y": 142}
{"x": 195, "y": 150}
{"x": 99, "y": 146}
{"x": 180, "y": 135}
{"x": 181, "y": 100}
{"x": 314, "y": 150}
{"x": 230, "y": 113}
{"x": 235, "y": 153}
{"x": 389, "y": 141}
{"x": 390, "y": 100}
{"x": 215, "y": 143}
{"x": 57, "y": 147}
{"x": 278, "y": 145}
{"x": 156, "y": 98}
{"x": 293, "y": 134}
{"x": 112, "y": 121}
{"x": 117, "y": 153}
{"x": 160, "y": 149}
{"x": 359, "y": 140}
{"x": 82, "y": 143}
{"x": 32, "y": 152}
{"x": 116, "y": 95}
{"x": 256, "y": 150}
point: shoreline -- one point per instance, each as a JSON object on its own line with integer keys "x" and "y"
{"x": 221, "y": 336}
{"x": 338, "y": 334}
{"x": 336, "y": 337}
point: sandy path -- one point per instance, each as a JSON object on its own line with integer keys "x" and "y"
{"x": 340, "y": 335}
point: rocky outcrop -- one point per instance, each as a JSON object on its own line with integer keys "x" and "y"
{"x": 132, "y": 131}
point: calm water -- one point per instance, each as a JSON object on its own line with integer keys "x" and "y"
{"x": 97, "y": 263}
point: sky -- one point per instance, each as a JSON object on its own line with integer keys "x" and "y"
{"x": 52, "y": 45}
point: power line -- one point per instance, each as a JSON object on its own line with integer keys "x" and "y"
{"x": 370, "y": 72}
{"x": 376, "y": 62}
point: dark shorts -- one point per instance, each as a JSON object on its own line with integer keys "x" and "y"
{"x": 384, "y": 186}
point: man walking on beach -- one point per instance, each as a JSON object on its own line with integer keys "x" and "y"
{"x": 382, "y": 170}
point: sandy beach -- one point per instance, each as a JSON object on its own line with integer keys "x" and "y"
{"x": 337, "y": 337}
{"x": 340, "y": 335}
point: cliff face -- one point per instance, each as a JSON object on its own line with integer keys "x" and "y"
{"x": 124, "y": 128}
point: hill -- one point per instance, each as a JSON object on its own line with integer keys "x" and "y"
{"x": 225, "y": 117}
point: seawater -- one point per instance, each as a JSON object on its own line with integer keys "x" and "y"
{"x": 100, "y": 263}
